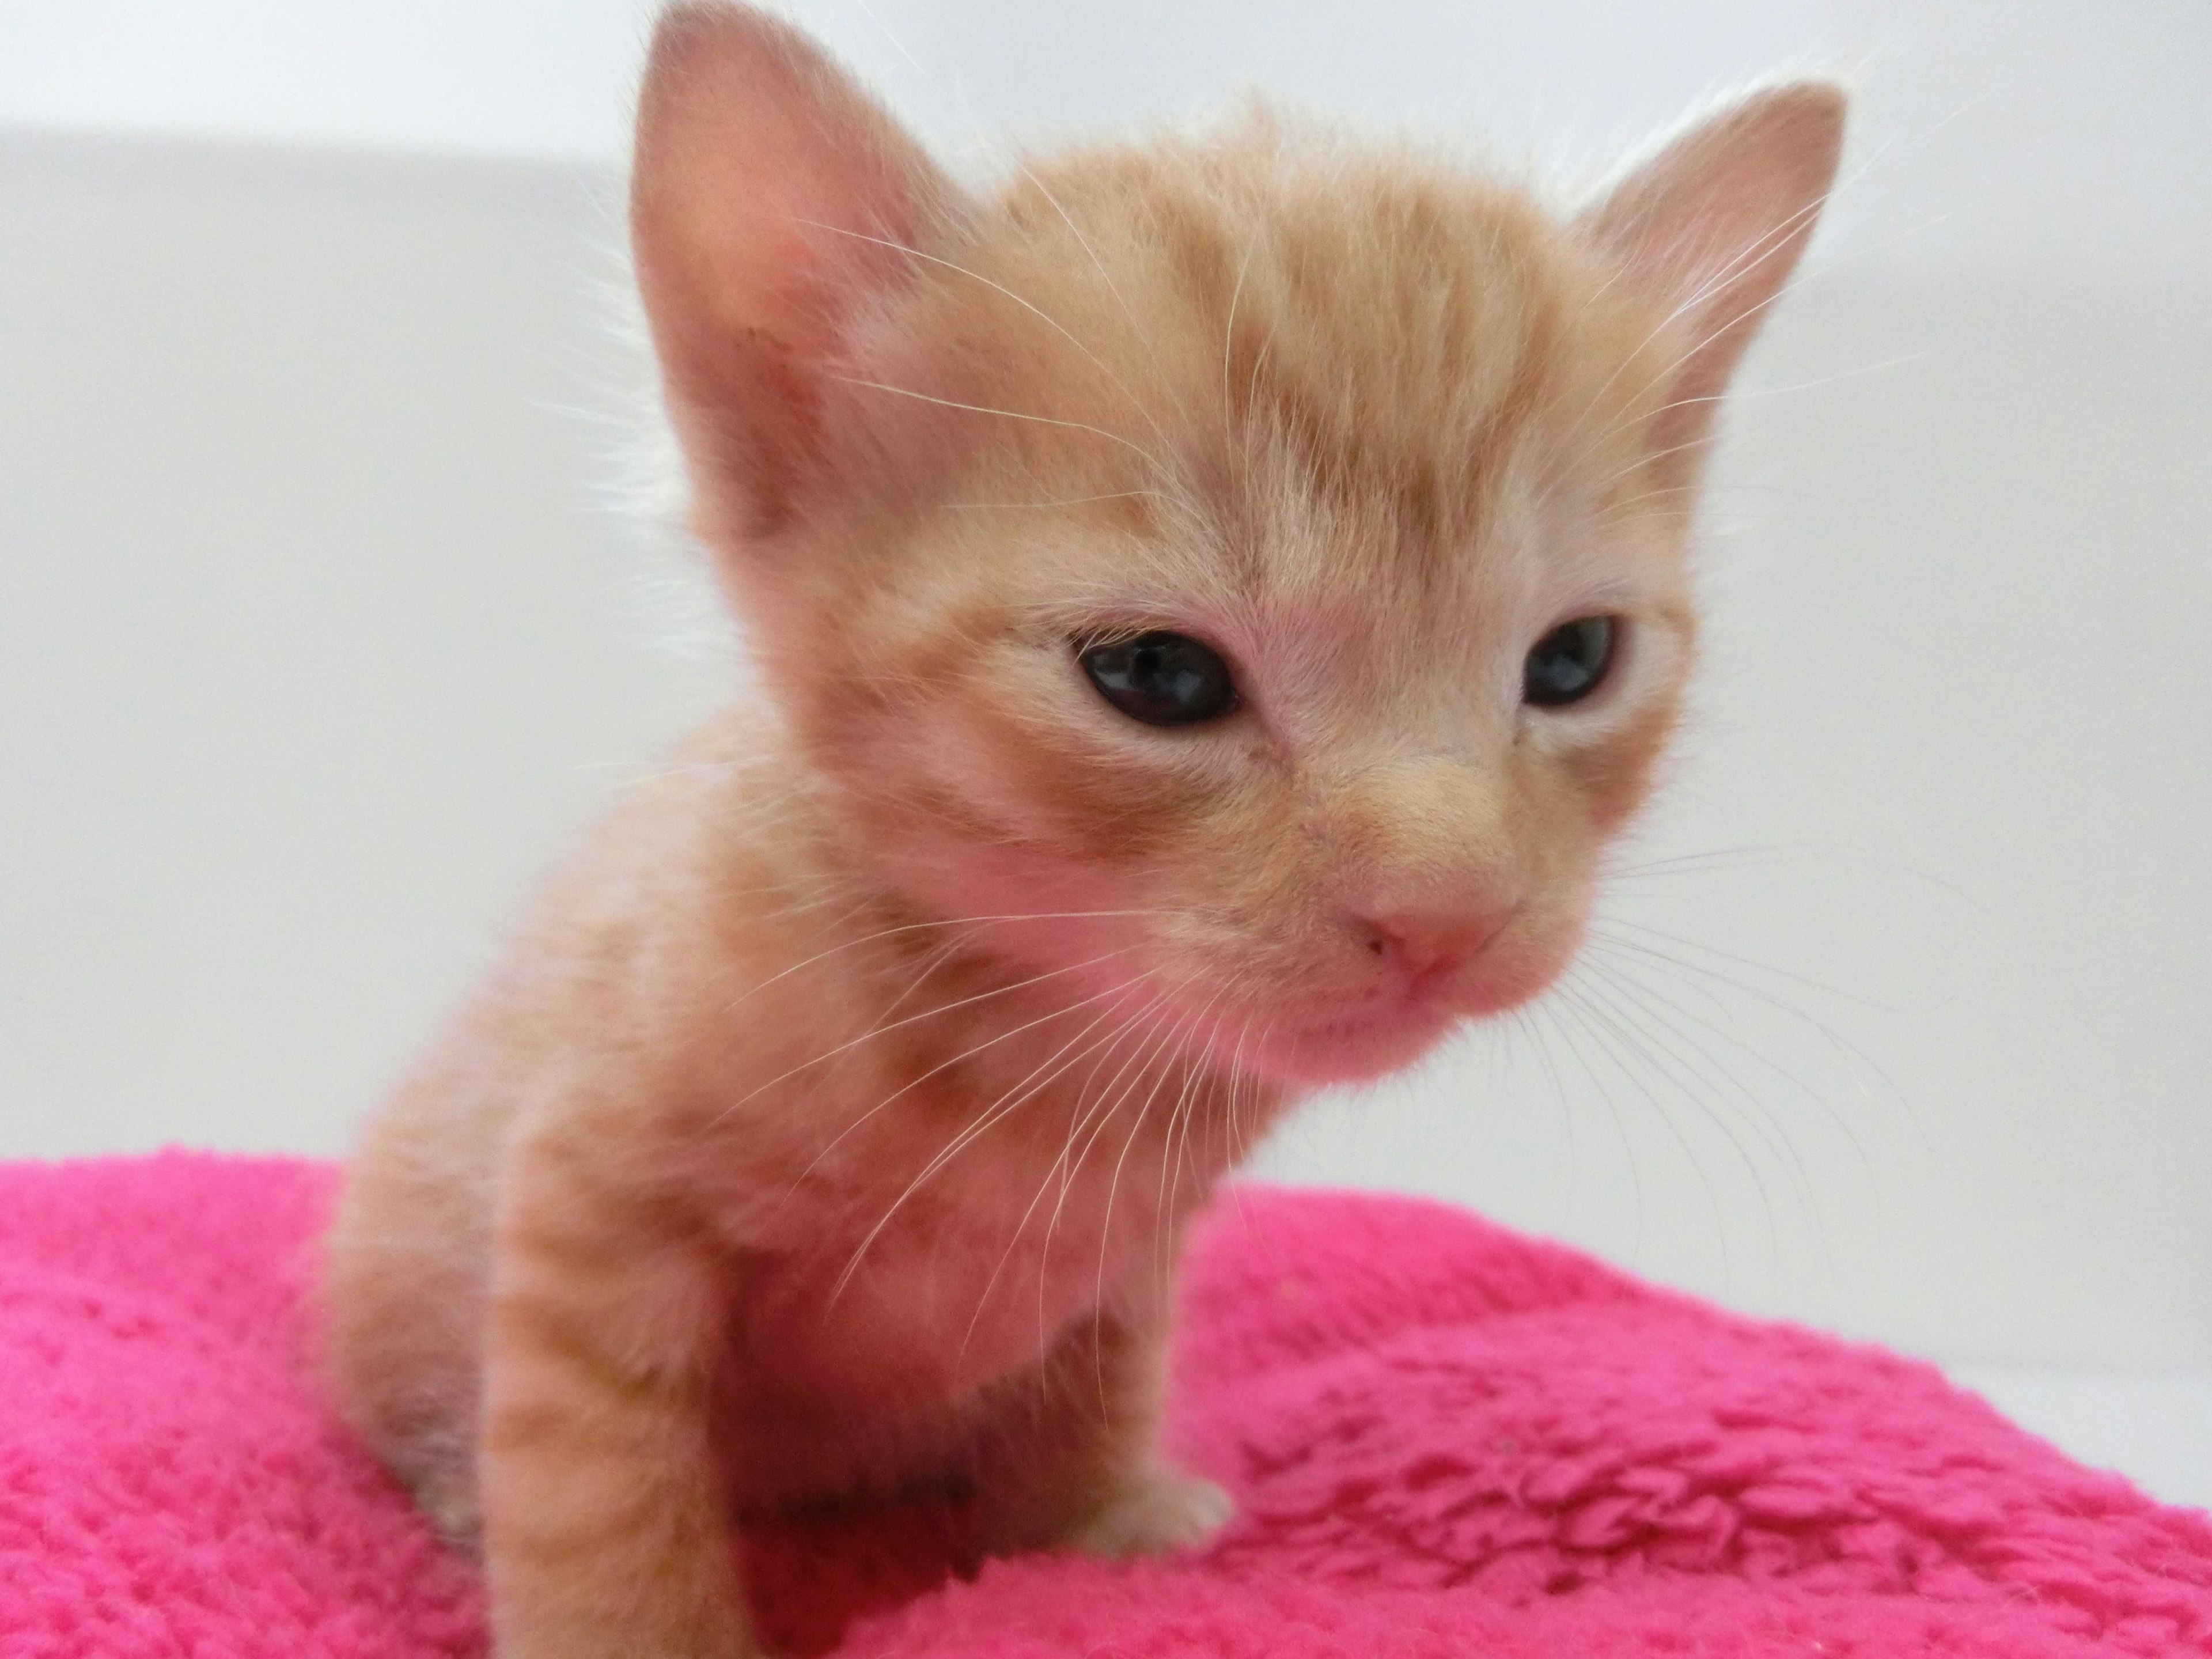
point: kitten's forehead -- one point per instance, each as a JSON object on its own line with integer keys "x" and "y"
{"x": 1334, "y": 381}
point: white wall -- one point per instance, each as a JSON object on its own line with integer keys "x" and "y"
{"x": 315, "y": 640}
{"x": 2010, "y": 131}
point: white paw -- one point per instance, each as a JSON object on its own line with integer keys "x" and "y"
{"x": 1165, "y": 1511}
{"x": 448, "y": 1497}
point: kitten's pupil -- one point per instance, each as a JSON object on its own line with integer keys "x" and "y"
{"x": 1162, "y": 678}
{"x": 1569, "y": 663}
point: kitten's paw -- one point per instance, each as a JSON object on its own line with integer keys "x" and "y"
{"x": 448, "y": 1497}
{"x": 1166, "y": 1511}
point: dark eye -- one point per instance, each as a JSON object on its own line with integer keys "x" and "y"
{"x": 1162, "y": 678}
{"x": 1569, "y": 663}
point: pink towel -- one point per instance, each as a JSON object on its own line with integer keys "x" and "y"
{"x": 1445, "y": 1440}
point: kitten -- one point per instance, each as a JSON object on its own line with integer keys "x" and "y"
{"x": 1216, "y": 600}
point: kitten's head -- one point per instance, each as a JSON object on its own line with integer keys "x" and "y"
{"x": 1257, "y": 560}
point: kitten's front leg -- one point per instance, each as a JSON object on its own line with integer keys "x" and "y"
{"x": 605, "y": 1534}
{"x": 1071, "y": 1454}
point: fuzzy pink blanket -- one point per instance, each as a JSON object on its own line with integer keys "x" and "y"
{"x": 1445, "y": 1440}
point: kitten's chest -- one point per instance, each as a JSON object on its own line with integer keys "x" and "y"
{"x": 857, "y": 1368}
{"x": 917, "y": 1243}
{"x": 933, "y": 1249}
{"x": 941, "y": 1300}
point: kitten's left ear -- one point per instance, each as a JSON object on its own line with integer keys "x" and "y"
{"x": 1712, "y": 225}
{"x": 773, "y": 202}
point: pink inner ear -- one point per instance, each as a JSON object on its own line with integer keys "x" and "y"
{"x": 765, "y": 188}
{"x": 1713, "y": 225}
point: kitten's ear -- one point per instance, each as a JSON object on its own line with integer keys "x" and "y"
{"x": 765, "y": 188}
{"x": 1711, "y": 226}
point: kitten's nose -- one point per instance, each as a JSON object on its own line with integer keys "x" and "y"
{"x": 1426, "y": 947}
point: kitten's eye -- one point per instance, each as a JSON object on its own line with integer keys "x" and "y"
{"x": 1569, "y": 663}
{"x": 1162, "y": 678}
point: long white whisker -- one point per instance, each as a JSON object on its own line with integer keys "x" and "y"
{"x": 1104, "y": 276}
{"x": 1136, "y": 1127}
{"x": 916, "y": 1081}
{"x": 1569, "y": 999}
{"x": 1146, "y": 455}
{"x": 1045, "y": 317}
{"x": 919, "y": 927}
{"x": 1006, "y": 1103}
{"x": 1550, "y": 1007}
{"x": 1151, "y": 1044}
{"x": 1631, "y": 1006}
{"x": 1658, "y": 1007}
{"x": 1105, "y": 1049}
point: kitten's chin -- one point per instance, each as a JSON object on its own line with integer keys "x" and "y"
{"x": 1367, "y": 1042}
{"x": 1356, "y": 1048}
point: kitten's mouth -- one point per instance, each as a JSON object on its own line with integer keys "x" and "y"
{"x": 1353, "y": 1045}
{"x": 1358, "y": 1040}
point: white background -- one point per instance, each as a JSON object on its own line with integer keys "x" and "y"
{"x": 319, "y": 634}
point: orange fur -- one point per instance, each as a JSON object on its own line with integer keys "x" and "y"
{"x": 830, "y": 1129}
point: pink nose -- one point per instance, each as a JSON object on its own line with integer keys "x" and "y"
{"x": 1426, "y": 947}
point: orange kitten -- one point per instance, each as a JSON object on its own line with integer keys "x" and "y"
{"x": 1216, "y": 601}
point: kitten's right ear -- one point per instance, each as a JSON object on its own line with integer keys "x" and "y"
{"x": 766, "y": 187}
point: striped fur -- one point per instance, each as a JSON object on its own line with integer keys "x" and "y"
{"x": 830, "y": 1128}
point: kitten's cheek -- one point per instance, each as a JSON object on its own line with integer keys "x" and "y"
{"x": 1522, "y": 968}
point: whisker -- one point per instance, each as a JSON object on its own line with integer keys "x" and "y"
{"x": 1655, "y": 1001}
{"x": 1523, "y": 1022}
{"x": 1163, "y": 1040}
{"x": 1065, "y": 500}
{"x": 1010, "y": 1101}
{"x": 915, "y": 1082}
{"x": 1571, "y": 999}
{"x": 1695, "y": 863}
{"x": 1146, "y": 455}
{"x": 1636, "y": 1009}
{"x": 1035, "y": 311}
{"x": 1549, "y": 1006}
{"x": 1184, "y": 1110}
{"x": 1106, "y": 277}
{"x": 924, "y": 927}
{"x": 1106, "y": 1227}
{"x": 1650, "y": 957}
{"x": 1105, "y": 1049}
{"x": 1746, "y": 962}
{"x": 1668, "y": 1066}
